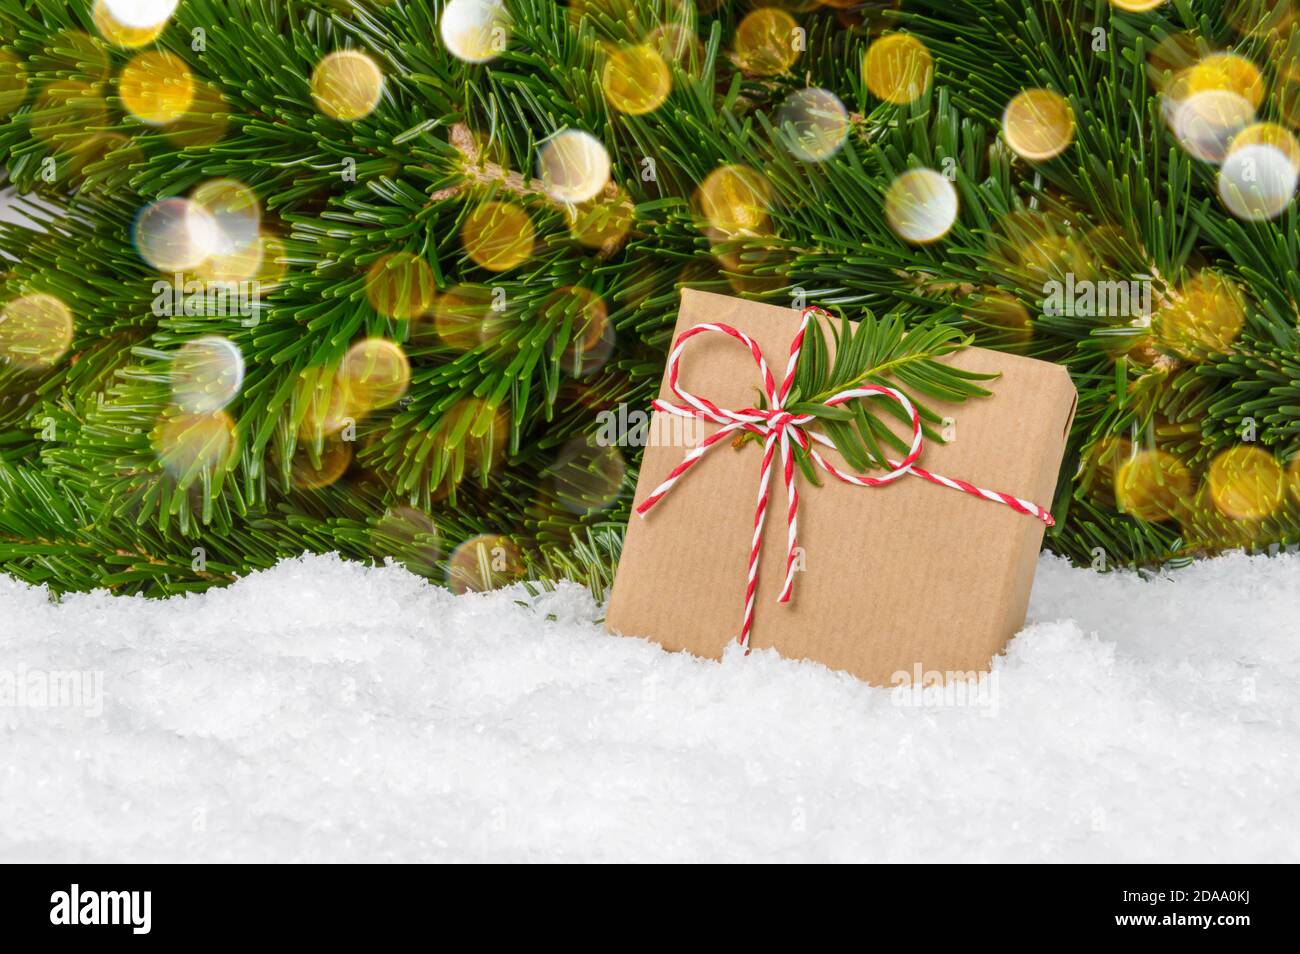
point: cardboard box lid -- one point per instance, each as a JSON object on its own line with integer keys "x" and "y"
{"x": 894, "y": 576}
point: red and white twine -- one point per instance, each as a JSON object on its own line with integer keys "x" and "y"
{"x": 778, "y": 427}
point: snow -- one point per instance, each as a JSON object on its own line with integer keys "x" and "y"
{"x": 328, "y": 711}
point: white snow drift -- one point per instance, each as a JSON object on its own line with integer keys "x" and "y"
{"x": 325, "y": 710}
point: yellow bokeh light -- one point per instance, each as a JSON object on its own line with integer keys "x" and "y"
{"x": 590, "y": 337}
{"x": 204, "y": 122}
{"x": 375, "y": 373}
{"x": 467, "y": 316}
{"x": 485, "y": 562}
{"x": 400, "y": 285}
{"x": 1136, "y": 6}
{"x": 602, "y": 222}
{"x": 766, "y": 42}
{"x": 498, "y": 236}
{"x": 1246, "y": 482}
{"x": 733, "y": 199}
{"x": 1202, "y": 317}
{"x": 189, "y": 443}
{"x": 311, "y": 471}
{"x": 13, "y": 82}
{"x": 1004, "y": 316}
{"x": 1153, "y": 485}
{"x": 156, "y": 87}
{"x": 1268, "y": 134}
{"x": 636, "y": 80}
{"x": 1227, "y": 72}
{"x": 35, "y": 331}
{"x": 347, "y": 85}
{"x": 113, "y": 29}
{"x": 67, "y": 113}
{"x": 897, "y": 68}
{"x": 920, "y": 206}
{"x": 1038, "y": 124}
{"x": 322, "y": 400}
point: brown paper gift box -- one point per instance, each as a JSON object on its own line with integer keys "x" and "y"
{"x": 894, "y": 577}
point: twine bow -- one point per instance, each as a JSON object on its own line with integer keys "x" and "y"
{"x": 780, "y": 428}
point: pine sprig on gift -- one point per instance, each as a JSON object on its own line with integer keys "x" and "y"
{"x": 880, "y": 351}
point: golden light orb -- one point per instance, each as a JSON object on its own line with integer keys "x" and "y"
{"x": 400, "y": 285}
{"x": 475, "y": 30}
{"x": 1136, "y": 6}
{"x": 897, "y": 68}
{"x": 206, "y": 120}
{"x": 636, "y": 80}
{"x": 1227, "y": 72}
{"x": 587, "y": 335}
{"x": 323, "y": 402}
{"x": 206, "y": 374}
{"x": 1038, "y": 124}
{"x": 156, "y": 87}
{"x": 734, "y": 199}
{"x": 813, "y": 124}
{"x": 602, "y": 222}
{"x": 35, "y": 331}
{"x": 13, "y": 82}
{"x": 1246, "y": 482}
{"x": 485, "y": 562}
{"x": 312, "y": 471}
{"x": 466, "y": 316}
{"x": 920, "y": 206}
{"x": 347, "y": 85}
{"x": 767, "y": 42}
{"x": 498, "y": 236}
{"x": 1202, "y": 317}
{"x": 1153, "y": 485}
{"x": 1005, "y": 317}
{"x": 375, "y": 373}
{"x": 573, "y": 166}
{"x": 189, "y": 443}
{"x": 131, "y": 24}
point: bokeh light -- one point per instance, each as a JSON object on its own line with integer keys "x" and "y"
{"x": 35, "y": 331}
{"x": 920, "y": 206}
{"x": 602, "y": 222}
{"x": 174, "y": 235}
{"x": 156, "y": 87}
{"x": 475, "y": 30}
{"x": 1038, "y": 124}
{"x": 347, "y": 85}
{"x": 636, "y": 80}
{"x": 375, "y": 374}
{"x": 408, "y": 536}
{"x": 206, "y": 374}
{"x": 400, "y": 285}
{"x": 1259, "y": 175}
{"x": 189, "y": 443}
{"x": 235, "y": 212}
{"x": 573, "y": 166}
{"x": 13, "y": 82}
{"x": 1136, "y": 6}
{"x": 498, "y": 236}
{"x": 206, "y": 120}
{"x": 312, "y": 470}
{"x": 765, "y": 42}
{"x": 468, "y": 315}
{"x": 590, "y": 339}
{"x": 1153, "y": 485}
{"x": 1202, "y": 317}
{"x": 322, "y": 400}
{"x": 130, "y": 24}
{"x": 1246, "y": 482}
{"x": 897, "y": 68}
{"x": 586, "y": 477}
{"x": 734, "y": 199}
{"x": 813, "y": 124}
{"x": 485, "y": 562}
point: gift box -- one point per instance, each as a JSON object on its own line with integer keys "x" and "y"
{"x": 914, "y": 574}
